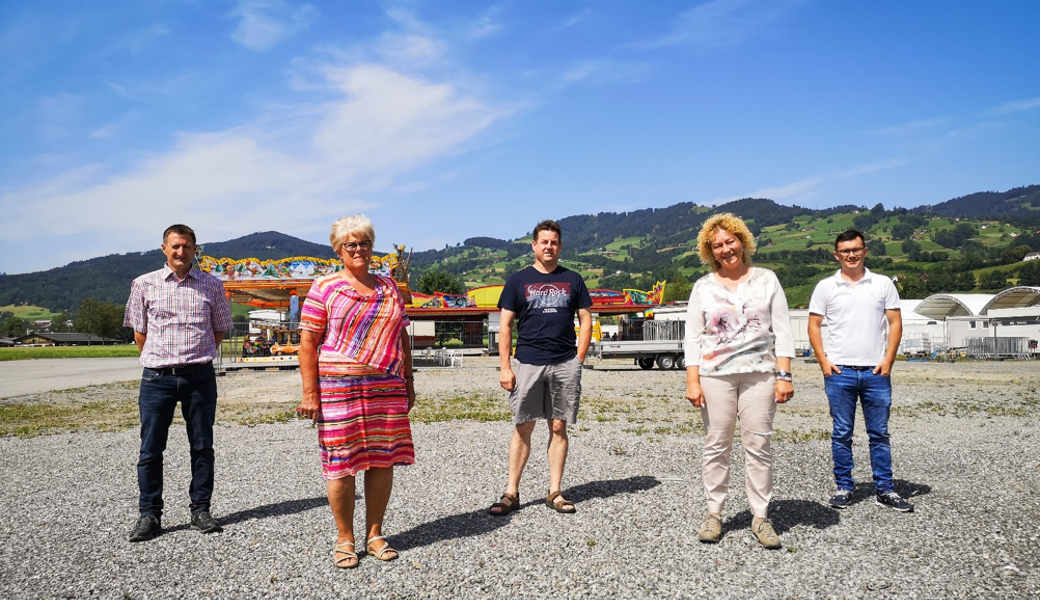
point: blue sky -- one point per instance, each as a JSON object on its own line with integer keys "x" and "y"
{"x": 452, "y": 119}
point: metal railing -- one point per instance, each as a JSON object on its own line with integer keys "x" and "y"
{"x": 999, "y": 347}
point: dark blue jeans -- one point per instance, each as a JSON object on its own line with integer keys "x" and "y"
{"x": 875, "y": 393}
{"x": 159, "y": 395}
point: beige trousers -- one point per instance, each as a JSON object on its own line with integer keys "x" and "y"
{"x": 750, "y": 399}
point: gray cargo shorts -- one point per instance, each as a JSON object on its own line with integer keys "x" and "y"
{"x": 546, "y": 391}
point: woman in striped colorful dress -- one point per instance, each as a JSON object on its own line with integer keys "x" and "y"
{"x": 356, "y": 365}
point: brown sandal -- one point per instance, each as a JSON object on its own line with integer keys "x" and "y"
{"x": 504, "y": 509}
{"x": 565, "y": 506}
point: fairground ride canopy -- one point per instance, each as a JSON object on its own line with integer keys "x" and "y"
{"x": 273, "y": 283}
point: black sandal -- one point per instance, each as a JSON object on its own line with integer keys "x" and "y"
{"x": 504, "y": 509}
{"x": 566, "y": 506}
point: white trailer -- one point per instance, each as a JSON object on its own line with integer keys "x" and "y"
{"x": 657, "y": 342}
{"x": 666, "y": 354}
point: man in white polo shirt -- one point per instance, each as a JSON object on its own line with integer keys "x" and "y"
{"x": 857, "y": 363}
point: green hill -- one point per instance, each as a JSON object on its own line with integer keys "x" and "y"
{"x": 972, "y": 243}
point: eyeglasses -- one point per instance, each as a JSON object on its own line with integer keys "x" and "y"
{"x": 353, "y": 246}
{"x": 851, "y": 251}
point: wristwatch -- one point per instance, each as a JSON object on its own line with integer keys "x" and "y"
{"x": 784, "y": 376}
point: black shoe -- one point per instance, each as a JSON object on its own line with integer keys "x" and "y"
{"x": 892, "y": 500}
{"x": 841, "y": 499}
{"x": 204, "y": 522}
{"x": 146, "y": 528}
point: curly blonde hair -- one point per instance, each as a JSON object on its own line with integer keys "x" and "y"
{"x": 732, "y": 224}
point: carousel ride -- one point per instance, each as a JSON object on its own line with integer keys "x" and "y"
{"x": 280, "y": 286}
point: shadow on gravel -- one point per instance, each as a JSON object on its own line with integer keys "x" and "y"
{"x": 277, "y": 509}
{"x": 479, "y": 522}
{"x": 865, "y": 491}
{"x": 788, "y": 514}
{"x": 909, "y": 489}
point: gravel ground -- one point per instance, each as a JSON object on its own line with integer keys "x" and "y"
{"x": 965, "y": 452}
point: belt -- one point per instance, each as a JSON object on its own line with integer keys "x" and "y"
{"x": 183, "y": 369}
{"x": 857, "y": 368}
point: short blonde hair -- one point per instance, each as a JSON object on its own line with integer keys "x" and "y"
{"x": 351, "y": 225}
{"x": 732, "y": 224}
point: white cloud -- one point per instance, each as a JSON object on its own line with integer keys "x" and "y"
{"x": 910, "y": 128}
{"x": 410, "y": 50}
{"x": 605, "y": 71}
{"x": 777, "y": 193}
{"x": 292, "y": 163}
{"x": 883, "y": 165}
{"x": 264, "y": 23}
{"x": 142, "y": 40}
{"x": 721, "y": 23}
{"x": 1017, "y": 106}
{"x": 573, "y": 20}
{"x": 484, "y": 27}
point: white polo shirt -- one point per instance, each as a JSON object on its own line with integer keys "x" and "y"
{"x": 856, "y": 322}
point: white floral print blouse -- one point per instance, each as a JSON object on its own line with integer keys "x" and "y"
{"x": 744, "y": 331}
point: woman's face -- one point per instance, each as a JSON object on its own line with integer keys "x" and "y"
{"x": 356, "y": 252}
{"x": 727, "y": 250}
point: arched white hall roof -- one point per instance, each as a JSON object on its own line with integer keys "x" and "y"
{"x": 940, "y": 306}
{"x": 1022, "y": 296}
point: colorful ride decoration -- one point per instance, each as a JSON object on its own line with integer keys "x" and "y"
{"x": 274, "y": 283}
{"x": 253, "y": 269}
{"x": 439, "y": 300}
{"x": 485, "y": 295}
{"x": 655, "y": 297}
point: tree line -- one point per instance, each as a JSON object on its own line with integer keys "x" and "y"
{"x": 103, "y": 319}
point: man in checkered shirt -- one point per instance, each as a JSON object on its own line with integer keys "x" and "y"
{"x": 179, "y": 315}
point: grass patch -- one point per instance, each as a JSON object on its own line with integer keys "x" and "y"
{"x": 801, "y": 437}
{"x": 66, "y": 412}
{"x": 120, "y": 350}
{"x": 480, "y": 406}
{"x": 29, "y": 313}
{"x": 1020, "y": 406}
{"x": 31, "y": 420}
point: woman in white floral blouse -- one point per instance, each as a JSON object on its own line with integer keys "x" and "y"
{"x": 738, "y": 347}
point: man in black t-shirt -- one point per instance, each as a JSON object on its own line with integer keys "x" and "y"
{"x": 544, "y": 378}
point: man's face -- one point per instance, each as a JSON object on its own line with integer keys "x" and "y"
{"x": 180, "y": 252}
{"x": 546, "y": 247}
{"x": 851, "y": 254}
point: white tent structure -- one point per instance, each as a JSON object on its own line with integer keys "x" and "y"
{"x": 940, "y": 306}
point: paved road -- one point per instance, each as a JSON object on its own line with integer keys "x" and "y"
{"x": 20, "y": 377}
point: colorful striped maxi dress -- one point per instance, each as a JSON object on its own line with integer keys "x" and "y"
{"x": 363, "y": 421}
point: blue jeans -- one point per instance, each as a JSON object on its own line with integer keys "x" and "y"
{"x": 157, "y": 399}
{"x": 875, "y": 392}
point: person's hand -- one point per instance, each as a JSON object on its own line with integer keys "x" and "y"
{"x": 884, "y": 368}
{"x": 784, "y": 391}
{"x": 409, "y": 385}
{"x": 828, "y": 367}
{"x": 507, "y": 379}
{"x": 695, "y": 394}
{"x": 310, "y": 406}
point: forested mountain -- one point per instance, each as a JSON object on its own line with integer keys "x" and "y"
{"x": 108, "y": 278}
{"x": 1017, "y": 202}
{"x": 975, "y": 242}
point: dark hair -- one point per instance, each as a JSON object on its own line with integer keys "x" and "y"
{"x": 181, "y": 230}
{"x": 548, "y": 225}
{"x": 847, "y": 236}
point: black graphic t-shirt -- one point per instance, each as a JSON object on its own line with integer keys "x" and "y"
{"x": 545, "y": 305}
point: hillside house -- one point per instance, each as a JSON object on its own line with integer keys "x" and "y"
{"x": 64, "y": 339}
